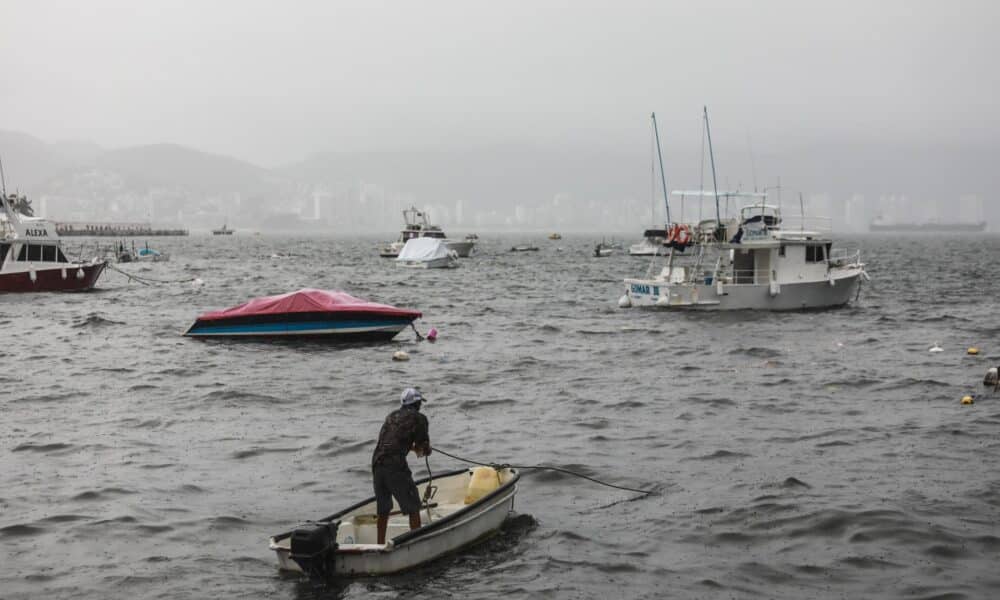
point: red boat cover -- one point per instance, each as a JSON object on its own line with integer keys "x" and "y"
{"x": 307, "y": 300}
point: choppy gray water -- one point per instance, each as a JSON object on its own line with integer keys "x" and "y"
{"x": 810, "y": 454}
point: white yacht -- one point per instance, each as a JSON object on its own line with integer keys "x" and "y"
{"x": 418, "y": 225}
{"x": 751, "y": 262}
{"x": 427, "y": 253}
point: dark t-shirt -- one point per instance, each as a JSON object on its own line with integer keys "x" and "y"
{"x": 402, "y": 429}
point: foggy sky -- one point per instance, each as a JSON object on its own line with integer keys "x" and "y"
{"x": 274, "y": 82}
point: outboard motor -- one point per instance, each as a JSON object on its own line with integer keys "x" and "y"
{"x": 313, "y": 547}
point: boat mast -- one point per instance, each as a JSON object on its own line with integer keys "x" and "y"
{"x": 715, "y": 183}
{"x": 12, "y": 218}
{"x": 3, "y": 180}
{"x": 663, "y": 178}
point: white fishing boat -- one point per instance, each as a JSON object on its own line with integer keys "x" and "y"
{"x": 604, "y": 249}
{"x": 461, "y": 508}
{"x": 427, "y": 253}
{"x": 754, "y": 260}
{"x": 417, "y": 225}
{"x": 651, "y": 244}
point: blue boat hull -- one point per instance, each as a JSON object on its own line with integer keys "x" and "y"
{"x": 327, "y": 326}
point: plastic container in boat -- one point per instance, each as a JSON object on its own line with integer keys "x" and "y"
{"x": 484, "y": 480}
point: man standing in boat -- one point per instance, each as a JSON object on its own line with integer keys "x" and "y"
{"x": 404, "y": 429}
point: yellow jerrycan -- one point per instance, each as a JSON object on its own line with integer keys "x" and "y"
{"x": 484, "y": 480}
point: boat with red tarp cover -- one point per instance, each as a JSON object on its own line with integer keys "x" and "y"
{"x": 307, "y": 313}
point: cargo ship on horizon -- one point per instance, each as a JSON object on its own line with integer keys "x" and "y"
{"x": 885, "y": 226}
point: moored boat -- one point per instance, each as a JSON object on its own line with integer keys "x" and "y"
{"x": 603, "y": 249}
{"x": 524, "y": 248}
{"x": 427, "y": 253}
{"x": 306, "y": 313}
{"x": 147, "y": 254}
{"x": 224, "y": 230}
{"x": 750, "y": 261}
{"x": 651, "y": 244}
{"x": 417, "y": 225}
{"x": 32, "y": 257}
{"x": 463, "y": 507}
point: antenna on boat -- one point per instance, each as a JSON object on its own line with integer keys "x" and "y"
{"x": 3, "y": 180}
{"x": 715, "y": 182}
{"x": 663, "y": 178}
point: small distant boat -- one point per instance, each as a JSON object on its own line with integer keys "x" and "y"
{"x": 555, "y": 236}
{"x": 471, "y": 237}
{"x": 224, "y": 230}
{"x": 125, "y": 253}
{"x": 524, "y": 248}
{"x": 147, "y": 254}
{"x": 427, "y": 253}
{"x": 307, "y": 313}
{"x": 603, "y": 249}
{"x": 464, "y": 506}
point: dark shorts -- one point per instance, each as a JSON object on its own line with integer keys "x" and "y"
{"x": 395, "y": 482}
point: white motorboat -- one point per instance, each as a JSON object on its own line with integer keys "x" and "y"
{"x": 418, "y": 225}
{"x": 651, "y": 244}
{"x": 462, "y": 508}
{"x": 427, "y": 253}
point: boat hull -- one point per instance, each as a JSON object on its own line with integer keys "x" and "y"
{"x": 462, "y": 249}
{"x": 839, "y": 290}
{"x": 326, "y": 326}
{"x": 472, "y": 523}
{"x": 445, "y": 262}
{"x": 65, "y": 277}
{"x": 648, "y": 250}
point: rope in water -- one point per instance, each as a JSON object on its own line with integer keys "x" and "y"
{"x": 148, "y": 280}
{"x": 547, "y": 468}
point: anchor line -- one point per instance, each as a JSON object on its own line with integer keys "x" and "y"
{"x": 499, "y": 466}
{"x": 148, "y": 280}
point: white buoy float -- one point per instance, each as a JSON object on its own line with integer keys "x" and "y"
{"x": 197, "y": 282}
{"x": 399, "y": 355}
{"x": 992, "y": 377}
{"x": 625, "y": 301}
{"x": 33, "y": 276}
{"x": 79, "y": 273}
{"x": 663, "y": 300}
{"x": 936, "y": 348}
{"x": 63, "y": 273}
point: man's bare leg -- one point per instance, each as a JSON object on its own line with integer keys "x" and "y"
{"x": 381, "y": 523}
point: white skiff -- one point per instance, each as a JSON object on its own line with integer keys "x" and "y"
{"x": 459, "y": 512}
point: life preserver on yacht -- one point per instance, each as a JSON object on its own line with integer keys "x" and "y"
{"x": 682, "y": 235}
